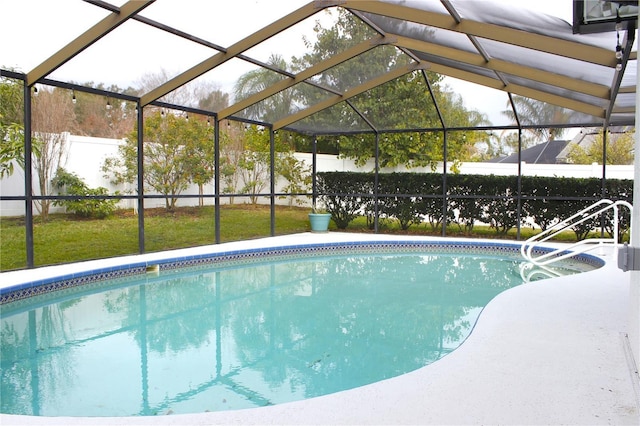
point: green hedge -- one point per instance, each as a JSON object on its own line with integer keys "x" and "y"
{"x": 413, "y": 198}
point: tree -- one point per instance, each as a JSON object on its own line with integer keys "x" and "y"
{"x": 503, "y": 143}
{"x": 461, "y": 145}
{"x": 374, "y": 103}
{"x": 272, "y": 108}
{"x": 296, "y": 173}
{"x": 11, "y": 105}
{"x": 402, "y": 103}
{"x": 247, "y": 154}
{"x": 254, "y": 164}
{"x": 102, "y": 117}
{"x": 150, "y": 81}
{"x": 231, "y": 150}
{"x": 620, "y": 150}
{"x": 245, "y": 162}
{"x": 201, "y": 158}
{"x": 215, "y": 100}
{"x": 532, "y": 112}
{"x": 415, "y": 149}
{"x": 254, "y": 161}
{"x": 52, "y": 118}
{"x": 174, "y": 150}
{"x": 12, "y": 148}
{"x": 11, "y": 126}
{"x": 345, "y": 33}
{"x": 197, "y": 93}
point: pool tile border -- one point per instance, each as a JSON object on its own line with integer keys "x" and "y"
{"x": 122, "y": 273}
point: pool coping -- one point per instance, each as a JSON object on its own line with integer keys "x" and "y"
{"x": 93, "y": 272}
{"x": 546, "y": 352}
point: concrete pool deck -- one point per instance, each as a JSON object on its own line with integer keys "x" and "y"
{"x": 548, "y": 352}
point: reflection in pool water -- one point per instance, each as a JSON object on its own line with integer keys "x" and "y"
{"x": 241, "y": 336}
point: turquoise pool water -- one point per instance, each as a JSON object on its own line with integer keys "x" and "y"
{"x": 242, "y": 334}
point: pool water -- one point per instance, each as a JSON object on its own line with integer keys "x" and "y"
{"x": 242, "y": 336}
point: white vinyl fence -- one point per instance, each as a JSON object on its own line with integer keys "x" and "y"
{"x": 85, "y": 156}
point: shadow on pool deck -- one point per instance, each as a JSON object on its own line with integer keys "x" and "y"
{"x": 548, "y": 352}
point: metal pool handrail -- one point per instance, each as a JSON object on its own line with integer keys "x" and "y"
{"x": 528, "y": 271}
{"x": 565, "y": 252}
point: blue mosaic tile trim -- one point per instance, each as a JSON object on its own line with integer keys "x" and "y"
{"x": 59, "y": 284}
{"x": 240, "y": 257}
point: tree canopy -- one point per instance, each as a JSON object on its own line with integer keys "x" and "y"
{"x": 276, "y": 106}
{"x": 620, "y": 150}
{"x": 11, "y": 128}
{"x": 177, "y": 152}
{"x": 404, "y": 103}
{"x": 532, "y": 112}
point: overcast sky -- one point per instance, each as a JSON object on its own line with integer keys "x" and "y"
{"x": 33, "y": 30}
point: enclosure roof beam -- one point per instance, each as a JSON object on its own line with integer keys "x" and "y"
{"x": 327, "y": 103}
{"x": 473, "y": 39}
{"x": 187, "y": 36}
{"x": 362, "y": 116}
{"x": 543, "y": 43}
{"x": 517, "y": 89}
{"x": 303, "y": 75}
{"x": 624, "y": 110}
{"x": 80, "y": 43}
{"x": 534, "y": 74}
{"x": 515, "y": 112}
{"x": 159, "y": 25}
{"x": 233, "y": 51}
{"x": 436, "y": 104}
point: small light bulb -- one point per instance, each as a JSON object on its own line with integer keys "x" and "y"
{"x": 619, "y": 66}
{"x": 618, "y": 52}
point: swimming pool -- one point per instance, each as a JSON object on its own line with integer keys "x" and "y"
{"x": 233, "y": 386}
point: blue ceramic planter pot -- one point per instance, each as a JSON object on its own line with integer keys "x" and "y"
{"x": 319, "y": 222}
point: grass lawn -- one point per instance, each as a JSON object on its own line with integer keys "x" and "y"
{"x": 65, "y": 238}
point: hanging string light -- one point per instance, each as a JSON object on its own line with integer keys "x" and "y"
{"x": 619, "y": 51}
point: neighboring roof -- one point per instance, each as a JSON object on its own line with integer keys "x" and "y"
{"x": 496, "y": 45}
{"x": 544, "y": 153}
